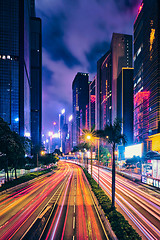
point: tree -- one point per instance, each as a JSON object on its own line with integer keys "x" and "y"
{"x": 112, "y": 134}
{"x": 20, "y": 147}
{"x": 89, "y": 137}
{"x": 48, "y": 158}
{"x": 12, "y": 146}
{"x": 6, "y": 141}
{"x": 104, "y": 155}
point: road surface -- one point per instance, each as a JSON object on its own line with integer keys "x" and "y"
{"x": 57, "y": 205}
{"x": 138, "y": 204}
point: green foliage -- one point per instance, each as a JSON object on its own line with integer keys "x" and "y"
{"x": 58, "y": 152}
{"x": 12, "y": 147}
{"x": 119, "y": 224}
{"x": 48, "y": 158}
{"x": 133, "y": 161}
{"x": 23, "y": 179}
{"x": 112, "y": 133}
{"x": 104, "y": 155}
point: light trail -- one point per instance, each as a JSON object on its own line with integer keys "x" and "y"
{"x": 140, "y": 199}
{"x": 32, "y": 198}
{"x": 52, "y": 230}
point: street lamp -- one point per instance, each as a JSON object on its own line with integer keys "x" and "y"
{"x": 98, "y": 161}
{"x": 89, "y": 138}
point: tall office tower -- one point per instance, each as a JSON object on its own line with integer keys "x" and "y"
{"x": 80, "y": 90}
{"x": 147, "y": 72}
{"x": 36, "y": 81}
{"x": 103, "y": 91}
{"x": 70, "y": 132}
{"x": 121, "y": 50}
{"x": 15, "y": 75}
{"x": 65, "y": 138}
{"x": 92, "y": 101}
{"x": 125, "y": 102}
{"x": 62, "y": 122}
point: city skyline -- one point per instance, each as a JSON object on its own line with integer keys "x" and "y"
{"x": 74, "y": 38}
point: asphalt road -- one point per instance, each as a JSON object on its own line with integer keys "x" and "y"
{"x": 20, "y": 207}
{"x": 76, "y": 216}
{"x": 57, "y": 205}
{"x": 139, "y": 205}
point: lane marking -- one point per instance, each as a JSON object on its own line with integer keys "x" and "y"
{"x": 73, "y": 222}
{"x": 74, "y": 199}
{"x": 74, "y": 208}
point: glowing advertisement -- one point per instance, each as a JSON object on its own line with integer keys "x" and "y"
{"x": 133, "y": 150}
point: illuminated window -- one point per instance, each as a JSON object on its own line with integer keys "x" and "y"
{"x": 152, "y": 38}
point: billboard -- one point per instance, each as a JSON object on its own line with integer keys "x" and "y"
{"x": 134, "y": 150}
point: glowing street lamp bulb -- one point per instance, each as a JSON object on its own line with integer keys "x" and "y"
{"x": 27, "y": 134}
{"x": 50, "y": 134}
{"x": 17, "y": 119}
{"x": 70, "y": 118}
{"x": 47, "y": 141}
{"x": 88, "y": 137}
{"x": 63, "y": 111}
{"x": 42, "y": 153}
{"x": 56, "y": 135}
{"x": 54, "y": 123}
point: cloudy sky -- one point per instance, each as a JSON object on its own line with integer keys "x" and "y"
{"x": 75, "y": 34}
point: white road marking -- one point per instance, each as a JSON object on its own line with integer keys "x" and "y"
{"x": 74, "y": 208}
{"x": 73, "y": 222}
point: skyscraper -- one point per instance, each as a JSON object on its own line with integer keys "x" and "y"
{"x": 36, "y": 81}
{"x": 103, "y": 91}
{"x": 92, "y": 101}
{"x": 147, "y": 71}
{"x": 121, "y": 50}
{"x": 109, "y": 67}
{"x": 15, "y": 80}
{"x": 15, "y": 63}
{"x": 62, "y": 122}
{"x": 80, "y": 90}
{"x": 125, "y": 102}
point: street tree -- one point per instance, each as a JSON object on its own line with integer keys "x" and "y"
{"x": 6, "y": 142}
{"x": 112, "y": 134}
{"x": 12, "y": 148}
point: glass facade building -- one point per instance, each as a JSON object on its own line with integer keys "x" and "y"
{"x": 121, "y": 50}
{"x": 109, "y": 67}
{"x": 15, "y": 64}
{"x": 17, "y": 44}
{"x": 9, "y": 62}
{"x": 80, "y": 94}
{"x": 147, "y": 71}
{"x": 92, "y": 101}
{"x": 104, "y": 91}
{"x": 36, "y": 81}
{"x": 125, "y": 102}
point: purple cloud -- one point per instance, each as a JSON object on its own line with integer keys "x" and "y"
{"x": 76, "y": 33}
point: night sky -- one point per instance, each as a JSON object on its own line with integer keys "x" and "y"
{"x": 75, "y": 34}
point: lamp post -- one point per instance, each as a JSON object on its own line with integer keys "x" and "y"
{"x": 89, "y": 138}
{"x": 98, "y": 162}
